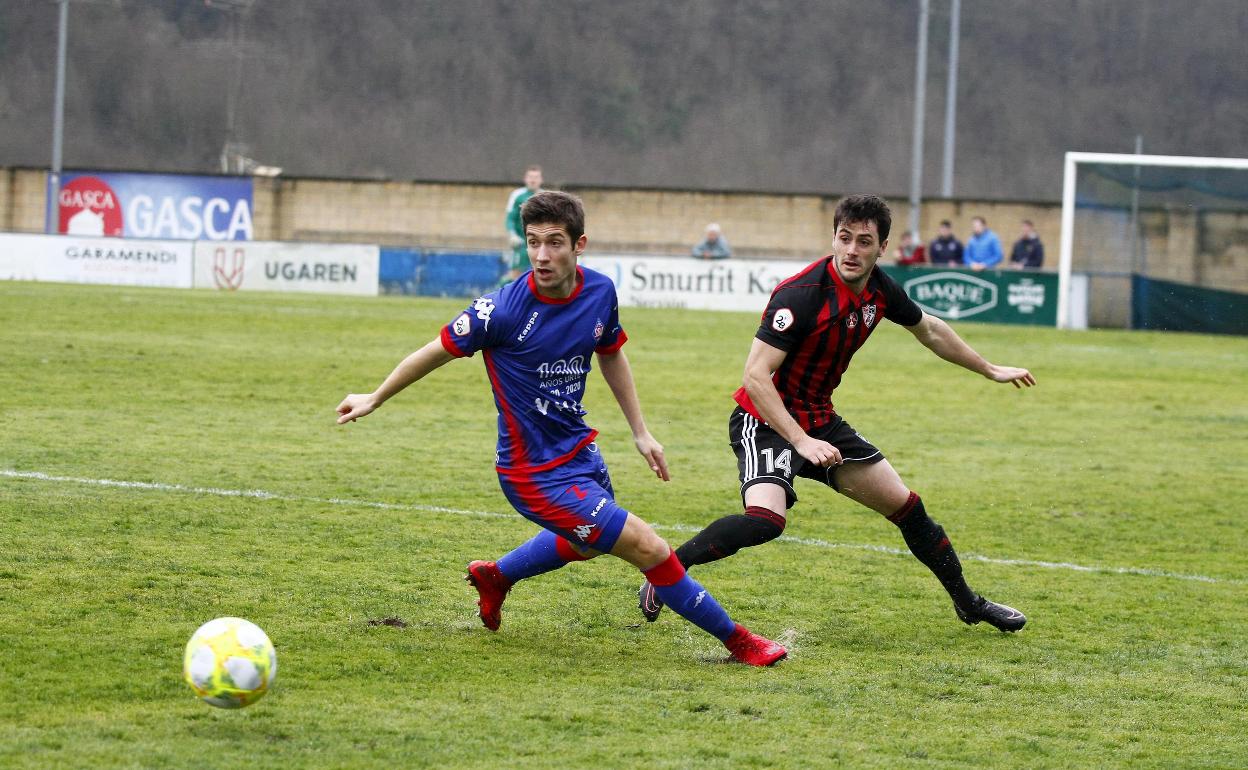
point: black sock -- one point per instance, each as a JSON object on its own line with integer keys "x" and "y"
{"x": 724, "y": 537}
{"x": 930, "y": 545}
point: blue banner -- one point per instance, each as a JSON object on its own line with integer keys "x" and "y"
{"x": 439, "y": 273}
{"x": 171, "y": 206}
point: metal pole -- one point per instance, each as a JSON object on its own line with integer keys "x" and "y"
{"x": 951, "y": 100}
{"x": 920, "y": 97}
{"x": 50, "y": 217}
{"x": 1136, "y": 253}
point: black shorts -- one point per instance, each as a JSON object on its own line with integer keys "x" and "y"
{"x": 763, "y": 456}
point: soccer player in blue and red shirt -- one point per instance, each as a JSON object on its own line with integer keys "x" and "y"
{"x": 537, "y": 336}
{"x": 784, "y": 425}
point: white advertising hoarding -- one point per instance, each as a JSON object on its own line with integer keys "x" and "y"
{"x": 323, "y": 268}
{"x": 75, "y": 259}
{"x": 726, "y": 284}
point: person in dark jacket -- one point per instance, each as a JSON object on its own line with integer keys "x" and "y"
{"x": 1028, "y": 252}
{"x": 945, "y": 250}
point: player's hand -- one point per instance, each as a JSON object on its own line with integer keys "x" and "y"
{"x": 355, "y": 406}
{"x": 653, "y": 452}
{"x": 1020, "y": 377}
{"x": 819, "y": 452}
{"x": 515, "y": 240}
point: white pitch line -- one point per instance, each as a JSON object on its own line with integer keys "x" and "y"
{"x": 259, "y": 494}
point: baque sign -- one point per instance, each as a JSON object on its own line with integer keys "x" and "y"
{"x": 952, "y": 295}
{"x": 995, "y": 296}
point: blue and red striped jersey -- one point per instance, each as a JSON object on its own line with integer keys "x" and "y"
{"x": 537, "y": 353}
{"x": 820, "y": 322}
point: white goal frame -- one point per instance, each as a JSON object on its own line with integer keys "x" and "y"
{"x": 1073, "y": 159}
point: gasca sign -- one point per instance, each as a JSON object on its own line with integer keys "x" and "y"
{"x": 996, "y": 296}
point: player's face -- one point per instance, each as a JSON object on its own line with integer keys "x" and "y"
{"x": 533, "y": 179}
{"x": 553, "y": 255}
{"x": 856, "y": 248}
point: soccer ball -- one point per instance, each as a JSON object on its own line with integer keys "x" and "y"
{"x": 229, "y": 663}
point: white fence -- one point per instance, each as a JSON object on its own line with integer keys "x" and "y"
{"x": 327, "y": 268}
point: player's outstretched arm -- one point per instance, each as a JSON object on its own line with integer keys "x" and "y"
{"x": 941, "y": 339}
{"x": 619, "y": 377}
{"x": 409, "y": 370}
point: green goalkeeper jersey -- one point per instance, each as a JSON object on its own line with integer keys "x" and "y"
{"x": 515, "y": 227}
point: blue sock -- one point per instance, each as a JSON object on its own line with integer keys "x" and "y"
{"x": 694, "y": 603}
{"x": 535, "y": 557}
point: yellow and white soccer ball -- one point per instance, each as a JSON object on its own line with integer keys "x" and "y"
{"x": 229, "y": 663}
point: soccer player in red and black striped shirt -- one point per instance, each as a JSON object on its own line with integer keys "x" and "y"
{"x": 785, "y": 426}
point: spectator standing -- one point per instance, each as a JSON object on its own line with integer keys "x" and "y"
{"x": 910, "y": 252}
{"x": 983, "y": 248}
{"x": 945, "y": 249}
{"x": 1028, "y": 251}
{"x": 519, "y": 257}
{"x": 714, "y": 245}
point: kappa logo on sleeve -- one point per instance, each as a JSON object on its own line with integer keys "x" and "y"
{"x": 484, "y": 306}
{"x": 462, "y": 325}
{"x": 782, "y": 320}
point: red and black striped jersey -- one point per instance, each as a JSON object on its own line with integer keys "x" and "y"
{"x": 820, "y": 322}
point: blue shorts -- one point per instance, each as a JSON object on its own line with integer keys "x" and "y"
{"x": 574, "y": 500}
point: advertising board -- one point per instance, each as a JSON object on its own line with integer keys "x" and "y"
{"x": 322, "y": 268}
{"x": 74, "y": 259}
{"x": 173, "y": 206}
{"x": 739, "y": 284}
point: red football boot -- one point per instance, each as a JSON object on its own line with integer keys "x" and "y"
{"x": 493, "y": 586}
{"x": 753, "y": 649}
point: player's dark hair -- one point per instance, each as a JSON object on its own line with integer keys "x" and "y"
{"x": 557, "y": 208}
{"x": 946, "y": 223}
{"x": 864, "y": 208}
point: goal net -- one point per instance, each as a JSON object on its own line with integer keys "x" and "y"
{"x": 1162, "y": 241}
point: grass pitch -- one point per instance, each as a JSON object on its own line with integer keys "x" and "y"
{"x": 169, "y": 457}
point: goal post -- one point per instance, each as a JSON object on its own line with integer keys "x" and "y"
{"x": 1130, "y": 217}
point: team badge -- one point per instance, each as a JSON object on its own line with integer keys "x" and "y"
{"x": 868, "y": 315}
{"x": 598, "y": 330}
{"x": 462, "y": 325}
{"x": 782, "y": 320}
{"x": 851, "y": 320}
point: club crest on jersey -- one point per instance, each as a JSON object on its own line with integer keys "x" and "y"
{"x": 462, "y": 325}
{"x": 868, "y": 315}
{"x": 782, "y": 320}
{"x": 484, "y": 306}
{"x": 851, "y": 320}
{"x": 598, "y": 330}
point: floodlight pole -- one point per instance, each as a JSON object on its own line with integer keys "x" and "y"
{"x": 951, "y": 100}
{"x": 50, "y": 218}
{"x": 920, "y": 97}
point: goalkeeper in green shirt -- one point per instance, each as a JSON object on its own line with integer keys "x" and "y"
{"x": 515, "y": 228}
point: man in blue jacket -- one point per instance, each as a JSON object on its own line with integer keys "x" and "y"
{"x": 983, "y": 248}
